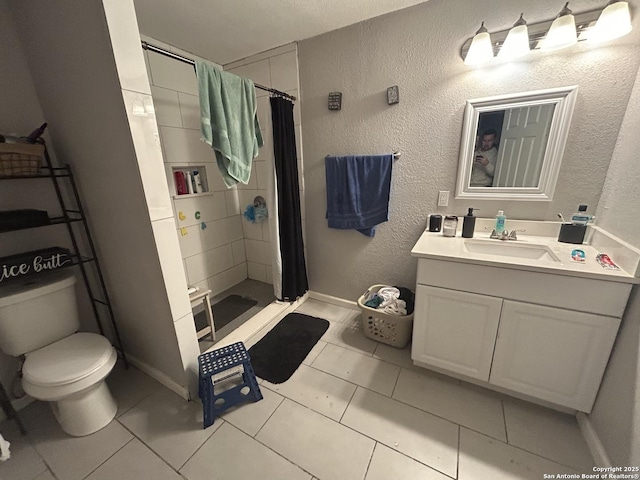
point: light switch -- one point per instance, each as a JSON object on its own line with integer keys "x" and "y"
{"x": 443, "y": 198}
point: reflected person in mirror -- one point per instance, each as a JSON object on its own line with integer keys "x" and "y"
{"x": 484, "y": 160}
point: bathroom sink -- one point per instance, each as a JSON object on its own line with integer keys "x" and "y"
{"x": 511, "y": 249}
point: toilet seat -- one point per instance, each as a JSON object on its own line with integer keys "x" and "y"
{"x": 67, "y": 366}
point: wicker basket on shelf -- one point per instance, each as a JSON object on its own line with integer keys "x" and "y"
{"x": 20, "y": 159}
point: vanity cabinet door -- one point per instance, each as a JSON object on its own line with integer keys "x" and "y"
{"x": 552, "y": 354}
{"x": 454, "y": 330}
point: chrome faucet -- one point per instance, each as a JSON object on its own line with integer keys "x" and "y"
{"x": 505, "y": 235}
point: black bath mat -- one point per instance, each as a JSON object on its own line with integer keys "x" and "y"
{"x": 281, "y": 351}
{"x": 225, "y": 311}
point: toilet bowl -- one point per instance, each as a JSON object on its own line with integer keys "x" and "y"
{"x": 38, "y": 319}
{"x": 71, "y": 373}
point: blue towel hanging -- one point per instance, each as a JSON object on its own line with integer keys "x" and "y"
{"x": 358, "y": 191}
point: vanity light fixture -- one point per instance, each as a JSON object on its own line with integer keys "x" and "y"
{"x": 600, "y": 24}
{"x": 614, "y": 22}
{"x": 563, "y": 31}
{"x": 517, "y": 41}
{"x": 481, "y": 49}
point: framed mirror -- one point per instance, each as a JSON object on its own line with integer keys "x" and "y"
{"x": 512, "y": 145}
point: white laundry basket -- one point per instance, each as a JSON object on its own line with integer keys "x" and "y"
{"x": 394, "y": 330}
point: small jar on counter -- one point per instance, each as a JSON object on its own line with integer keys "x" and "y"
{"x": 449, "y": 226}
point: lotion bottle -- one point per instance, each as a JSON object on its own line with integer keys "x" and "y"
{"x": 468, "y": 224}
{"x": 501, "y": 219}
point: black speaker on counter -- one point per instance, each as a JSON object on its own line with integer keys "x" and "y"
{"x": 435, "y": 223}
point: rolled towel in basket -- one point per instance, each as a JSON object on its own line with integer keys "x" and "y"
{"x": 396, "y": 307}
{"x": 391, "y": 303}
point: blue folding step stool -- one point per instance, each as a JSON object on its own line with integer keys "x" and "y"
{"x": 224, "y": 365}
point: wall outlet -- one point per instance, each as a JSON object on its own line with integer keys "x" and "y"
{"x": 443, "y": 198}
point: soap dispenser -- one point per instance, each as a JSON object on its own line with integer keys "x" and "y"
{"x": 468, "y": 224}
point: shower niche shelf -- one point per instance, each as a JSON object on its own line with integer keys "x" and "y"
{"x": 189, "y": 180}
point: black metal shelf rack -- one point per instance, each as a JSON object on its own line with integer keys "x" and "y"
{"x": 71, "y": 215}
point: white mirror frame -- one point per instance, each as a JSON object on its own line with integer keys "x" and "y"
{"x": 564, "y": 99}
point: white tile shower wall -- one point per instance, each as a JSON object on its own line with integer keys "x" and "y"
{"x": 277, "y": 68}
{"x": 209, "y": 226}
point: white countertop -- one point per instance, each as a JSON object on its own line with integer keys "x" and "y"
{"x": 434, "y": 245}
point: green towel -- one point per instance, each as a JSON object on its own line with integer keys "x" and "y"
{"x": 229, "y": 121}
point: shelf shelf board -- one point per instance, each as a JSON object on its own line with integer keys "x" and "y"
{"x": 191, "y": 195}
{"x": 52, "y": 221}
{"x": 58, "y": 172}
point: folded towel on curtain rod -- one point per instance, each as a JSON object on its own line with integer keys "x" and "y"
{"x": 358, "y": 188}
{"x": 229, "y": 121}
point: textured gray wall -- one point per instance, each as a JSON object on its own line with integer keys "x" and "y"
{"x": 418, "y": 49}
{"x": 616, "y": 413}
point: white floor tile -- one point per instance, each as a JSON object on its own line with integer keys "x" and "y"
{"x": 420, "y": 435}
{"x": 317, "y": 390}
{"x": 134, "y": 461}
{"x": 320, "y": 446}
{"x": 71, "y": 458}
{"x": 412, "y": 413}
{"x": 347, "y": 333}
{"x": 324, "y": 310}
{"x": 251, "y": 416}
{"x": 130, "y": 386}
{"x": 388, "y": 464}
{"x": 358, "y": 368}
{"x": 231, "y": 454}
{"x": 552, "y": 434}
{"x": 484, "y": 458}
{"x": 397, "y": 356}
{"x": 315, "y": 351}
{"x": 45, "y": 476}
{"x": 468, "y": 407}
{"x": 25, "y": 463}
{"x": 169, "y": 425}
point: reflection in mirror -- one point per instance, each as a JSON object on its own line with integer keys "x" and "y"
{"x": 512, "y": 145}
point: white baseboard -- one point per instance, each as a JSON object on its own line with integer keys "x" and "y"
{"x": 341, "y": 302}
{"x": 159, "y": 376}
{"x": 590, "y": 435}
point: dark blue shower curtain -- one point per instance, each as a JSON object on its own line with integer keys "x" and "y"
{"x": 294, "y": 270}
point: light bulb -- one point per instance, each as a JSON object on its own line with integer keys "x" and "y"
{"x": 562, "y": 32}
{"x": 481, "y": 49}
{"x": 614, "y": 22}
{"x": 517, "y": 42}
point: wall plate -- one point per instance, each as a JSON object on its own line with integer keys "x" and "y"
{"x": 393, "y": 95}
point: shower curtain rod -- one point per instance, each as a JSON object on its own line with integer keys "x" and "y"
{"x": 175, "y": 56}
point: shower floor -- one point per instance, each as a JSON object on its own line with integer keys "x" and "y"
{"x": 259, "y": 291}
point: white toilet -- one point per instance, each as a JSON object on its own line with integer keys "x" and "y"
{"x": 39, "y": 318}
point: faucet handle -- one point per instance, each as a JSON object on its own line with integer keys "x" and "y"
{"x": 513, "y": 235}
{"x": 494, "y": 234}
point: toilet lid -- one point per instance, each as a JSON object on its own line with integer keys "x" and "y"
{"x": 67, "y": 360}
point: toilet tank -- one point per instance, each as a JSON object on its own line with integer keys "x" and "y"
{"x": 36, "y": 311}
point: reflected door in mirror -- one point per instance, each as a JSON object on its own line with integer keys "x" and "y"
{"x": 523, "y": 144}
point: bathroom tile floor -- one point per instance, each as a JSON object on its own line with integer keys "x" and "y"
{"x": 355, "y": 409}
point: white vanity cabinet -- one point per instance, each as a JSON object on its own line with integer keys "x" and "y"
{"x": 457, "y": 330}
{"x": 541, "y": 335}
{"x": 553, "y": 354}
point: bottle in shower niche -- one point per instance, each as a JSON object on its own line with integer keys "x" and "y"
{"x": 501, "y": 220}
